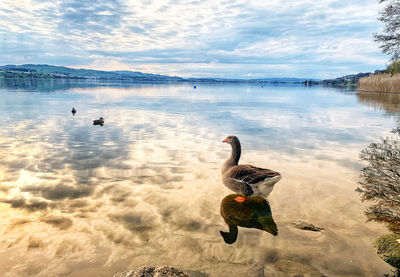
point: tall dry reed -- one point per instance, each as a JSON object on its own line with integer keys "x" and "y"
{"x": 380, "y": 83}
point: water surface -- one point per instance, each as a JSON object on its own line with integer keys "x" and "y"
{"x": 145, "y": 188}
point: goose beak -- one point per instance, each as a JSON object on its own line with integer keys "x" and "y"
{"x": 225, "y": 140}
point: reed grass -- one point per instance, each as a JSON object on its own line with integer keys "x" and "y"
{"x": 387, "y": 83}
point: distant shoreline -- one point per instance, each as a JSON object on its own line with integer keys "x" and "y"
{"x": 183, "y": 80}
{"x": 191, "y": 80}
{"x": 43, "y": 71}
{"x": 51, "y": 72}
{"x": 158, "y": 80}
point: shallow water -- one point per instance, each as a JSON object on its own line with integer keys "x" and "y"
{"x": 145, "y": 188}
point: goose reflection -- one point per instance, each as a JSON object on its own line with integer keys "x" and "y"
{"x": 255, "y": 212}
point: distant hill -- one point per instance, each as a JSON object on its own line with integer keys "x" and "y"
{"x": 50, "y": 71}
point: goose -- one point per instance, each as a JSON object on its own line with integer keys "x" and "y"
{"x": 246, "y": 179}
{"x": 254, "y": 213}
{"x": 99, "y": 121}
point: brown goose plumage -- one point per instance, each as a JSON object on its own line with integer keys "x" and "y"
{"x": 246, "y": 179}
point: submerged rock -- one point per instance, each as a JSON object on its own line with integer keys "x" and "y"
{"x": 388, "y": 247}
{"x": 302, "y": 225}
{"x": 151, "y": 271}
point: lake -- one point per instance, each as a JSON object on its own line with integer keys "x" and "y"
{"x": 145, "y": 188}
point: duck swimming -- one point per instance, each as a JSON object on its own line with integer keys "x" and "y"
{"x": 253, "y": 213}
{"x": 246, "y": 179}
{"x": 99, "y": 121}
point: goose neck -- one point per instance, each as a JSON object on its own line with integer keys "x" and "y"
{"x": 236, "y": 151}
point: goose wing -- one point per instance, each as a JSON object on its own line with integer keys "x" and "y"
{"x": 251, "y": 174}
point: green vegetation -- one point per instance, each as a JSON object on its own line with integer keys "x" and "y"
{"x": 388, "y": 247}
{"x": 393, "y": 68}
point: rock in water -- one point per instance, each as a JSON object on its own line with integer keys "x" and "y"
{"x": 302, "y": 225}
{"x": 151, "y": 271}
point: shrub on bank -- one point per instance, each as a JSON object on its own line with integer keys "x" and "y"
{"x": 388, "y": 247}
{"x": 394, "y": 68}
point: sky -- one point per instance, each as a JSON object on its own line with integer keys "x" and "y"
{"x": 196, "y": 38}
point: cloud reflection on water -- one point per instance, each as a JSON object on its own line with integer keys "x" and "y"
{"x": 126, "y": 186}
{"x": 84, "y": 199}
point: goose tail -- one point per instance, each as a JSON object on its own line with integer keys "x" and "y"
{"x": 265, "y": 187}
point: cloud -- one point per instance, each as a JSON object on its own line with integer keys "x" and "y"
{"x": 306, "y": 38}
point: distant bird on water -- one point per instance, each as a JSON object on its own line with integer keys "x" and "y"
{"x": 73, "y": 111}
{"x": 246, "y": 179}
{"x": 194, "y": 87}
{"x": 99, "y": 121}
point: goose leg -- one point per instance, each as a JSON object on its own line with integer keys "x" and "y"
{"x": 241, "y": 199}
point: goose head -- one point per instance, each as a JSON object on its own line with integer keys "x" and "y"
{"x": 231, "y": 140}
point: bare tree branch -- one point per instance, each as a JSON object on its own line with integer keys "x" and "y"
{"x": 390, "y": 39}
{"x": 380, "y": 181}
